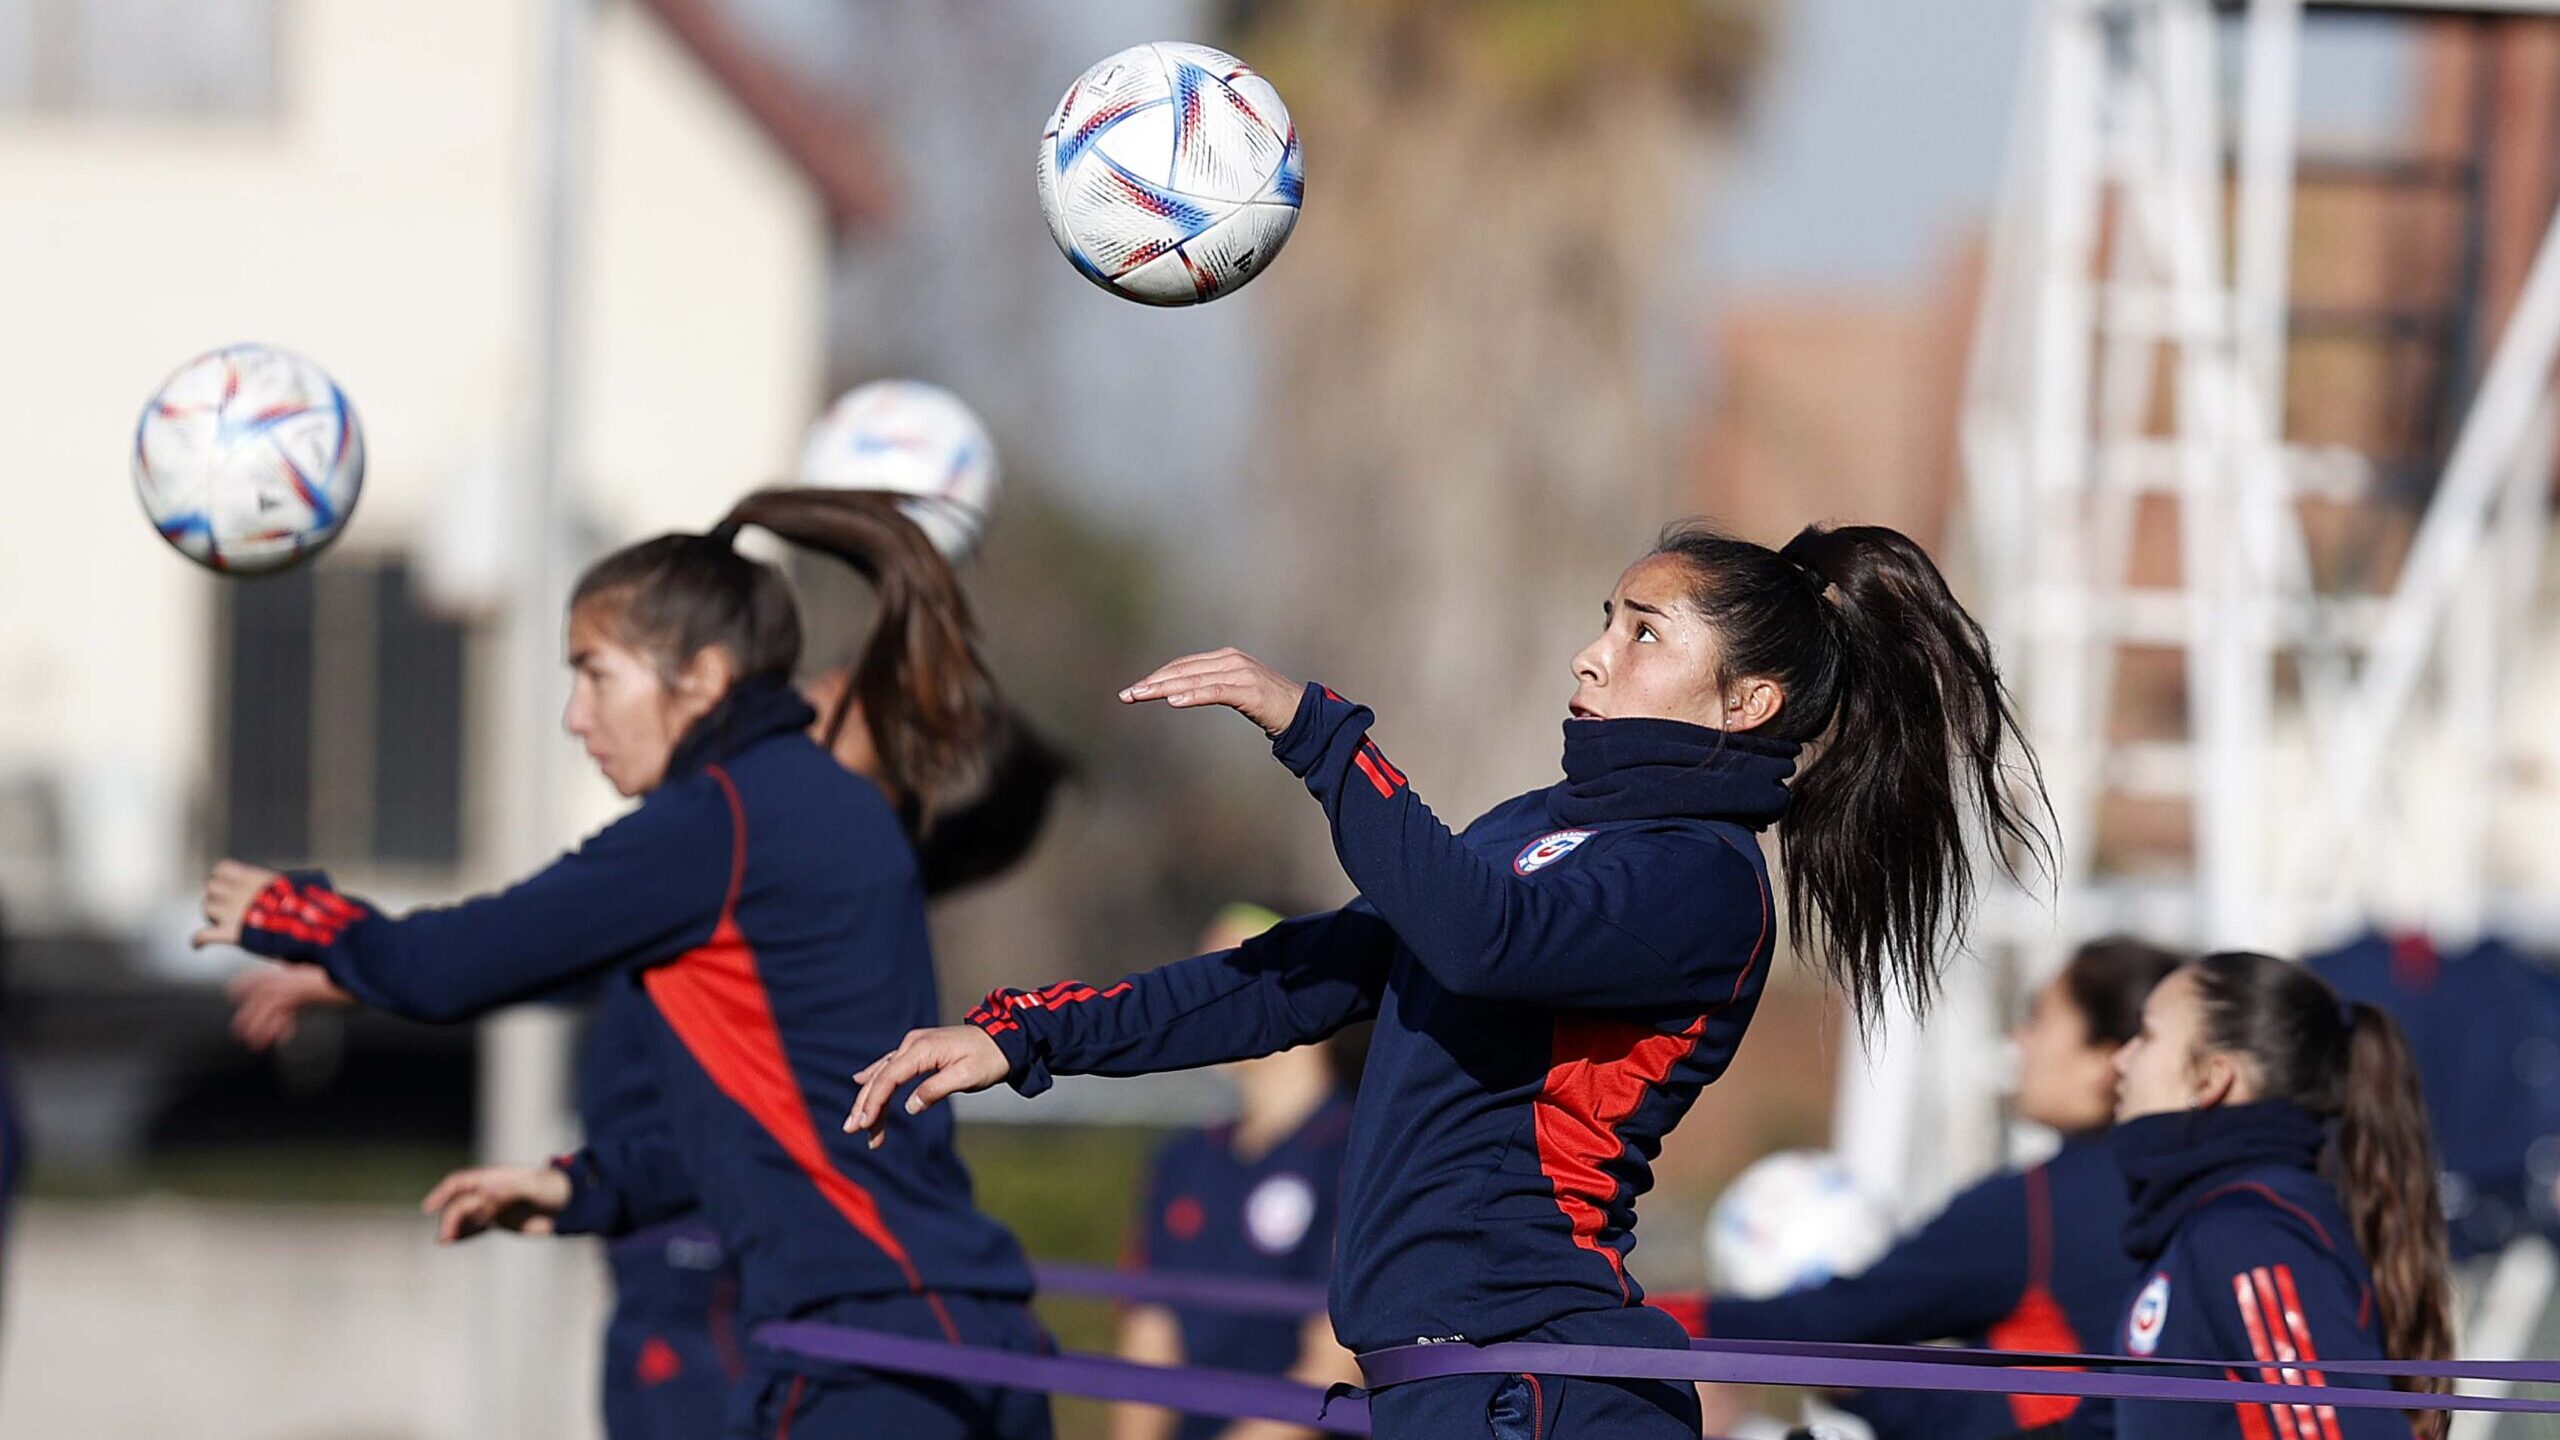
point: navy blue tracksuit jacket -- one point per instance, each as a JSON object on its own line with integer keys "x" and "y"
{"x": 1551, "y": 988}
{"x": 2248, "y": 1260}
{"x": 2025, "y": 1260}
{"x": 758, "y": 919}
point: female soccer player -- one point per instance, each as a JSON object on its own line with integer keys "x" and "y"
{"x": 2284, "y": 1199}
{"x": 673, "y": 1353}
{"x": 1553, "y": 987}
{"x": 761, "y": 917}
{"x": 2026, "y": 1260}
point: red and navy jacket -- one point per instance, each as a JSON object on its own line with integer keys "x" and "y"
{"x": 2247, "y": 1260}
{"x": 1551, "y": 988}
{"x": 760, "y": 916}
{"x": 2026, "y": 1260}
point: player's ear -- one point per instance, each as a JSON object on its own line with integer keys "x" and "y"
{"x": 2219, "y": 1080}
{"x": 705, "y": 678}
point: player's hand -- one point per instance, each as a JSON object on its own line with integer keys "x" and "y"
{"x": 1227, "y": 677}
{"x": 227, "y": 893}
{"x": 954, "y": 1059}
{"x": 267, "y": 1001}
{"x": 522, "y": 1198}
{"x": 1722, "y": 1407}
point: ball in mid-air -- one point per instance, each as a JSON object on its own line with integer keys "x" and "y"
{"x": 1170, "y": 173}
{"x": 913, "y": 439}
{"x": 1792, "y": 1221}
{"x": 248, "y": 459}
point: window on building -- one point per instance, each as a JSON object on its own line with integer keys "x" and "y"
{"x": 176, "y": 59}
{"x": 343, "y": 707}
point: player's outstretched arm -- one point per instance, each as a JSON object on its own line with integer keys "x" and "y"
{"x": 1578, "y": 938}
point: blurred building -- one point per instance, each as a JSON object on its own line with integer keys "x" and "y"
{"x": 360, "y": 181}
{"x": 355, "y": 181}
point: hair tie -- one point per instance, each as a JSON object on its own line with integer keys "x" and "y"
{"x": 724, "y": 534}
{"x": 1814, "y": 579}
{"x": 2347, "y": 1015}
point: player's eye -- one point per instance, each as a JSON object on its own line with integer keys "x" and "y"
{"x": 1645, "y": 635}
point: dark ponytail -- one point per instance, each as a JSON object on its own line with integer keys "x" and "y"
{"x": 2350, "y": 1064}
{"x": 948, "y": 746}
{"x": 926, "y": 694}
{"x": 1894, "y": 682}
{"x": 983, "y": 831}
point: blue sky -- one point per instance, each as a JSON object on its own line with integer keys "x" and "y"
{"x": 1877, "y": 134}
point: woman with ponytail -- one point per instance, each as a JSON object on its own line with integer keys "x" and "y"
{"x": 757, "y": 922}
{"x": 2284, "y": 1199}
{"x": 1555, "y": 984}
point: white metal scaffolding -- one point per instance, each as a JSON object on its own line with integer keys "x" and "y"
{"x": 2340, "y": 758}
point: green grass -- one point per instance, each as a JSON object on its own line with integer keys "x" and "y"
{"x": 1070, "y": 1193}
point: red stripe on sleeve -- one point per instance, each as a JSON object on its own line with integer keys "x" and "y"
{"x": 2301, "y": 1332}
{"x": 1380, "y": 756}
{"x": 2244, "y": 1292}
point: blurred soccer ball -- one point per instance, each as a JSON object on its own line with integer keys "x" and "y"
{"x": 914, "y": 439}
{"x": 249, "y": 459}
{"x": 1793, "y": 1220}
{"x": 1170, "y": 174}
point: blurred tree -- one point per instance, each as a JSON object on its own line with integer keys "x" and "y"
{"x": 1479, "y": 380}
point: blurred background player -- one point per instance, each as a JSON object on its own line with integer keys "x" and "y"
{"x": 2028, "y": 1259}
{"x": 2284, "y": 1199}
{"x": 760, "y": 910}
{"x": 1254, "y": 1198}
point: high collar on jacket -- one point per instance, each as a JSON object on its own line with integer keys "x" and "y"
{"x": 1647, "y": 769}
{"x": 2173, "y": 1160}
{"x": 753, "y": 710}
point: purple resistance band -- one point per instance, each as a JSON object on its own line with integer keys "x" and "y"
{"x": 1236, "y": 1396}
{"x": 1227, "y": 1394}
{"x": 1275, "y": 1297}
{"x": 1921, "y": 1368}
{"x": 2514, "y": 1372}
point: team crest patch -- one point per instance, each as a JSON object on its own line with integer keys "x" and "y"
{"x": 2150, "y": 1312}
{"x": 1542, "y": 853}
{"x": 1279, "y": 1212}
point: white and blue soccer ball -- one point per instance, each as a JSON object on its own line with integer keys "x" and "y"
{"x": 913, "y": 439}
{"x": 249, "y": 459}
{"x": 1170, "y": 174}
{"x": 1790, "y": 1222}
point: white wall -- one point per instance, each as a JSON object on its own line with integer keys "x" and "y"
{"x": 380, "y": 225}
{"x": 166, "y": 1320}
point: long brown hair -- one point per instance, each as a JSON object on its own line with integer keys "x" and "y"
{"x": 2351, "y": 1064}
{"x": 1894, "y": 683}
{"x": 937, "y": 719}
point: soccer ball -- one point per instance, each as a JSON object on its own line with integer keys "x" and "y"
{"x": 914, "y": 439}
{"x": 1170, "y": 174}
{"x": 1792, "y": 1221}
{"x": 248, "y": 459}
